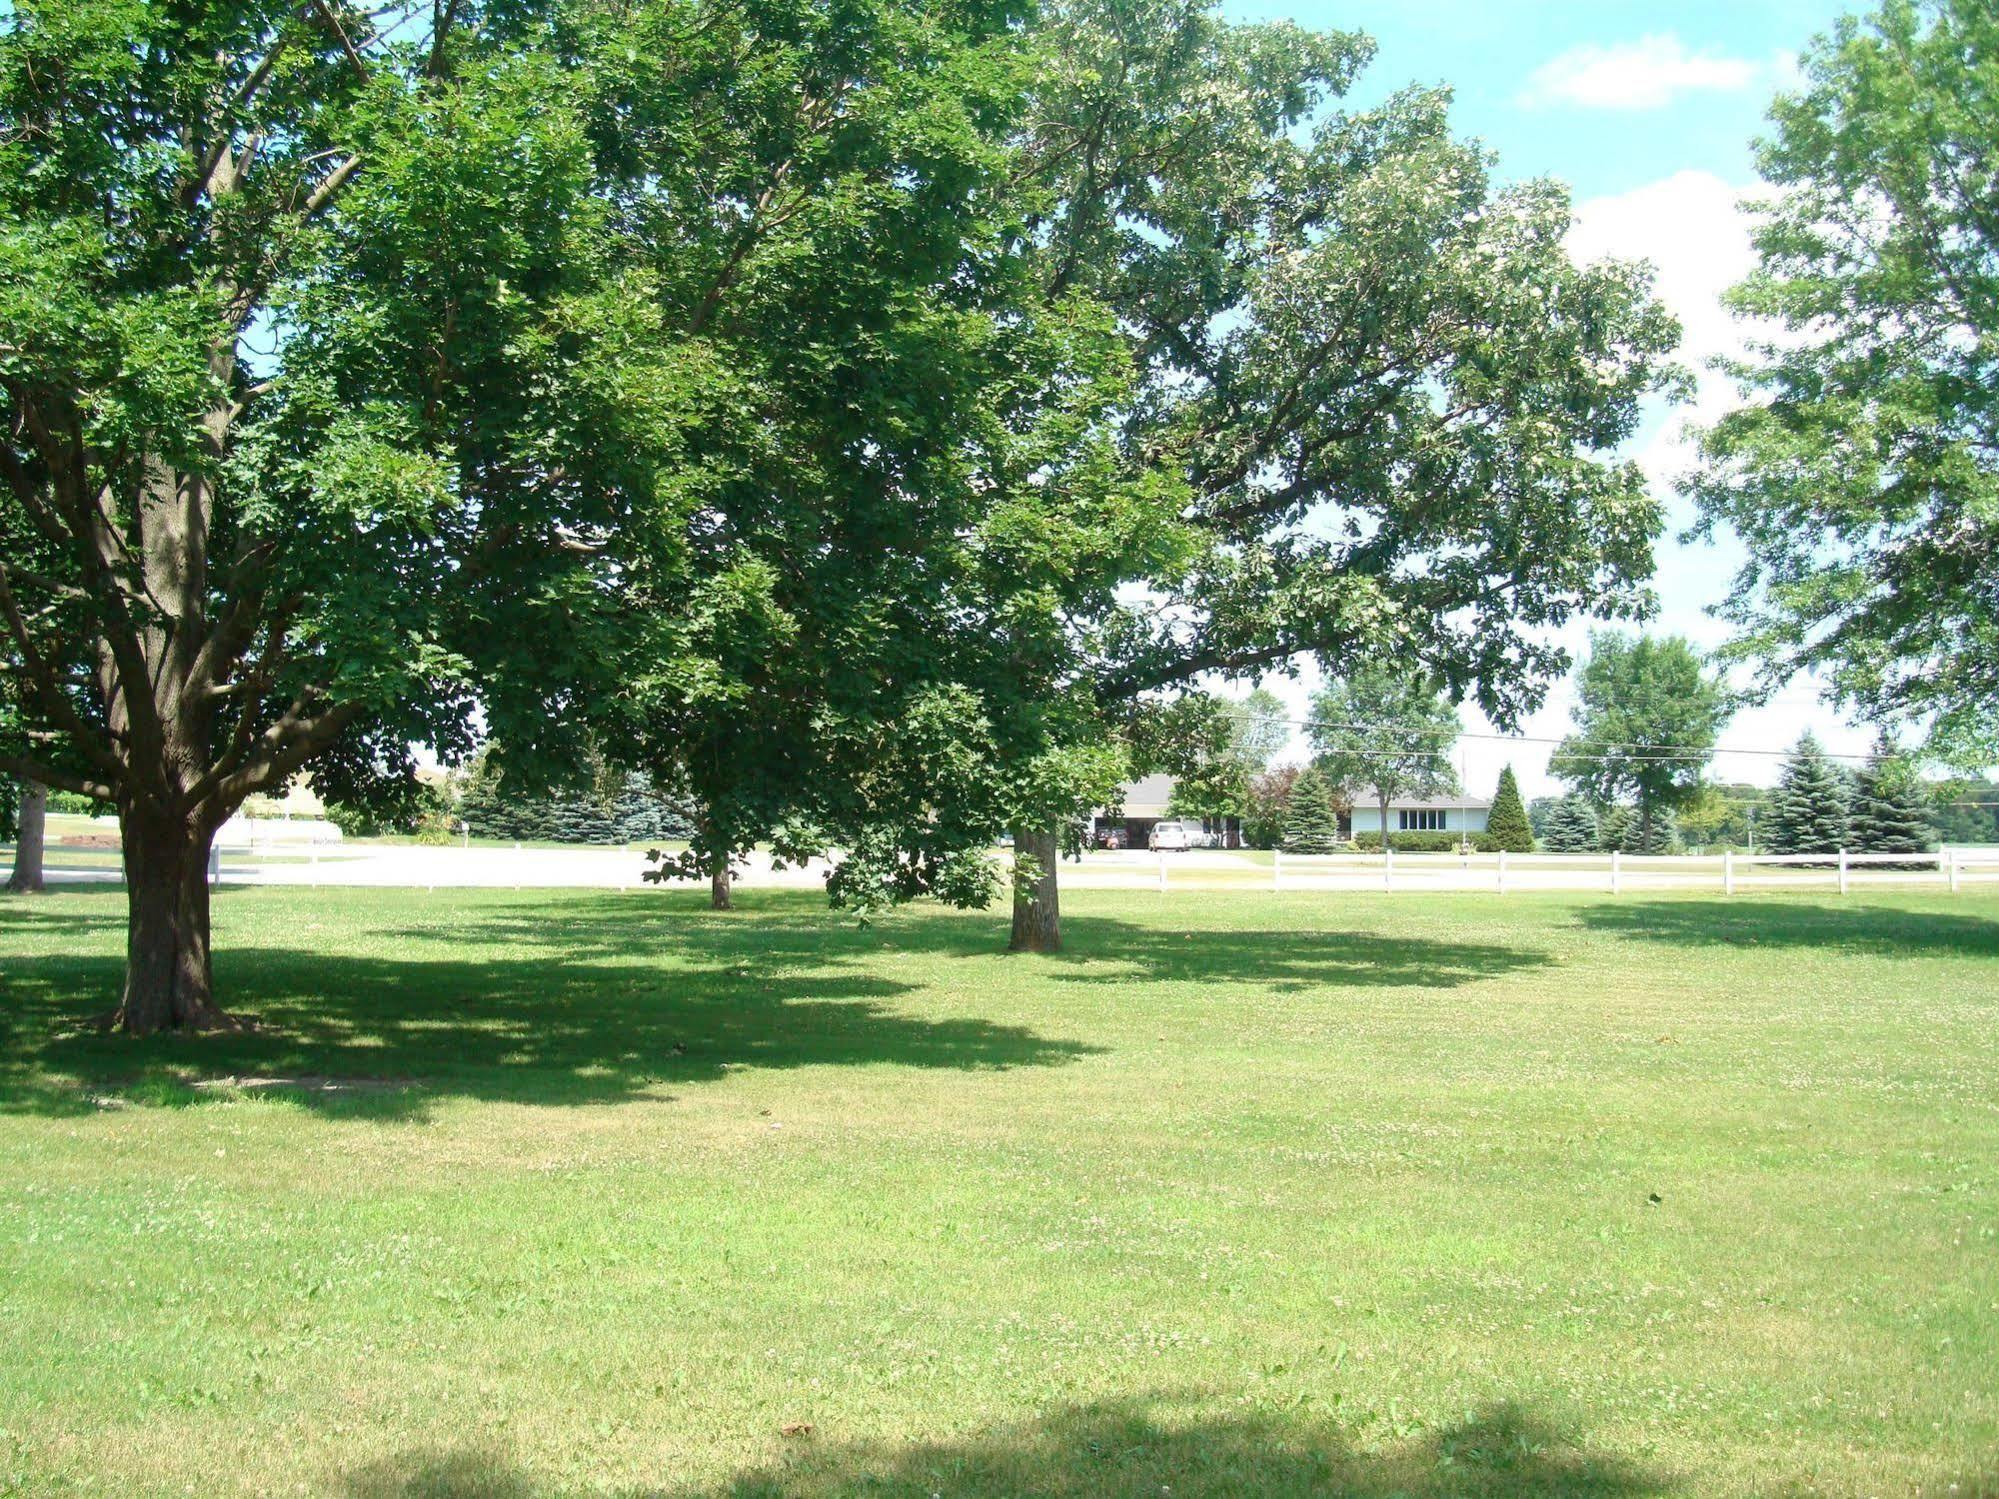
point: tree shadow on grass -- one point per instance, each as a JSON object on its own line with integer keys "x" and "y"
{"x": 774, "y": 930}
{"x": 550, "y": 1024}
{"x": 584, "y": 997}
{"x": 1111, "y": 1448}
{"x": 1883, "y": 931}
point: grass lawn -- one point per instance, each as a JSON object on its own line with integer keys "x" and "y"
{"x": 1246, "y": 1194}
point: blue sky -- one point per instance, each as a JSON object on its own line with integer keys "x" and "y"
{"x": 1648, "y": 111}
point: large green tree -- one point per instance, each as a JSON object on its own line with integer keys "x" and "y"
{"x": 1647, "y": 715}
{"x": 373, "y": 371}
{"x": 1811, "y": 809}
{"x": 1863, "y": 472}
{"x": 1383, "y": 732}
{"x": 1388, "y": 400}
{"x": 1890, "y": 812}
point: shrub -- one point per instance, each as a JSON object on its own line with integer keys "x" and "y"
{"x": 1426, "y": 843}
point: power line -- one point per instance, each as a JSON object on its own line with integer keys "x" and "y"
{"x": 1658, "y": 752}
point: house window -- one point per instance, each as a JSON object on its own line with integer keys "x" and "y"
{"x": 1427, "y": 820}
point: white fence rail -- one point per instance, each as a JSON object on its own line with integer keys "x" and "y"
{"x": 237, "y": 862}
{"x": 1616, "y": 873}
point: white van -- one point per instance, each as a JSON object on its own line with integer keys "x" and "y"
{"x": 1175, "y": 836}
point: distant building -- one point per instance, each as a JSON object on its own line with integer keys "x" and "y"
{"x": 1416, "y": 814}
{"x": 1144, "y": 803}
{"x": 1141, "y": 806}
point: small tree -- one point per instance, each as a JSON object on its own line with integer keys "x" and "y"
{"x": 1310, "y": 824}
{"x": 1810, "y": 811}
{"x": 1507, "y": 827}
{"x": 1268, "y": 804}
{"x": 1384, "y": 731}
{"x": 1890, "y": 813}
{"x": 1571, "y": 827}
{"x": 1647, "y": 715}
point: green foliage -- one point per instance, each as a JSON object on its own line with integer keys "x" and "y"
{"x": 1966, "y": 811}
{"x": 1810, "y": 812}
{"x": 1647, "y": 717}
{"x": 1618, "y": 831}
{"x": 1310, "y": 824}
{"x": 1340, "y": 311}
{"x": 1862, "y": 472}
{"x": 1266, "y": 806}
{"x": 1506, "y": 826}
{"x": 1380, "y": 731}
{"x": 1572, "y": 827}
{"x": 1890, "y": 812}
{"x": 1428, "y": 843}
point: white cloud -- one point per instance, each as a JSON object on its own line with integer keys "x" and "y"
{"x": 1692, "y": 229}
{"x": 1646, "y": 74}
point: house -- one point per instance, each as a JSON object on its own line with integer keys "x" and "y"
{"x": 1143, "y": 803}
{"x": 1415, "y": 814}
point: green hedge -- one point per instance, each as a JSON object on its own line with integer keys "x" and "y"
{"x": 1425, "y": 843}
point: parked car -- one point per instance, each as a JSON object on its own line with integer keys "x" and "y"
{"x": 1176, "y": 836}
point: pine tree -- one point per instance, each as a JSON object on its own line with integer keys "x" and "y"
{"x": 1310, "y": 824}
{"x": 1810, "y": 811}
{"x": 1506, "y": 826}
{"x": 1658, "y": 835}
{"x": 1571, "y": 827}
{"x": 581, "y": 820}
{"x": 1890, "y": 815}
{"x": 1617, "y": 831}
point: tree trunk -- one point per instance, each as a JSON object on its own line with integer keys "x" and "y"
{"x": 34, "y": 809}
{"x": 721, "y": 887}
{"x": 168, "y": 981}
{"x": 1037, "y": 905}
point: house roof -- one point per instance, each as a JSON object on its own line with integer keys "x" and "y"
{"x": 1367, "y": 796}
{"x": 1148, "y": 798}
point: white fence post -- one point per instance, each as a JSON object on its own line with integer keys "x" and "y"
{"x": 1616, "y": 872}
{"x": 1387, "y": 863}
{"x": 1276, "y": 868}
{"x": 1162, "y": 870}
{"x": 1728, "y": 871}
{"x": 1951, "y": 854}
{"x": 1502, "y": 871}
{"x": 214, "y": 864}
{"x": 1842, "y": 871}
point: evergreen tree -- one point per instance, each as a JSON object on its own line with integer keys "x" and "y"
{"x": 1810, "y": 811}
{"x": 1506, "y": 827}
{"x": 1617, "y": 831}
{"x": 1890, "y": 813}
{"x": 1310, "y": 824}
{"x": 642, "y": 815}
{"x": 1571, "y": 827}
{"x": 1659, "y": 836}
{"x": 581, "y": 819}
{"x": 1541, "y": 815}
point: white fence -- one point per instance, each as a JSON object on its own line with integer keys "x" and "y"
{"x": 1616, "y": 873}
{"x": 1726, "y": 873}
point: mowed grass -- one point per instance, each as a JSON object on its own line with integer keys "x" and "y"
{"x": 1244, "y": 1194}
